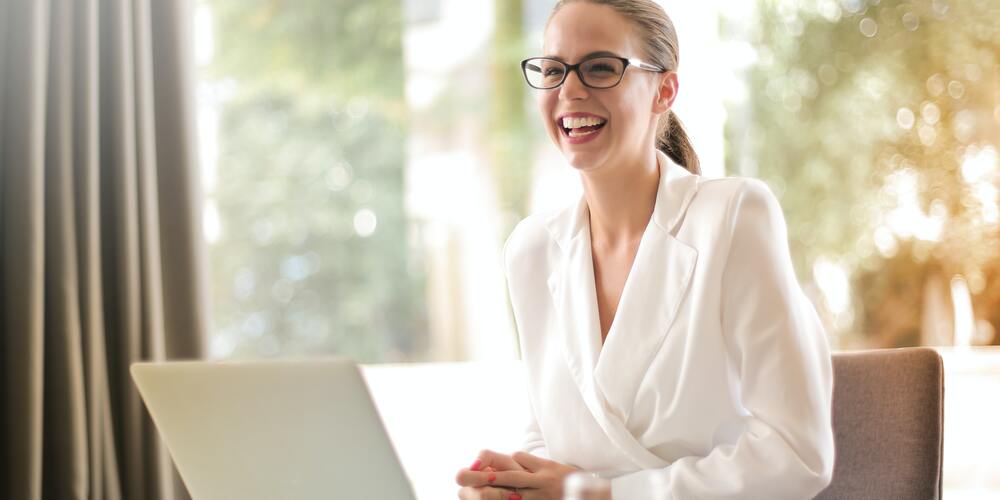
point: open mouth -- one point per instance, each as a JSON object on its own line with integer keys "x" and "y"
{"x": 581, "y": 126}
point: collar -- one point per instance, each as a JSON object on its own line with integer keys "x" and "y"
{"x": 676, "y": 188}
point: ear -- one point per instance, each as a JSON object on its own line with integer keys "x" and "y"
{"x": 666, "y": 92}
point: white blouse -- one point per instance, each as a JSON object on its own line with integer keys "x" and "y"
{"x": 715, "y": 381}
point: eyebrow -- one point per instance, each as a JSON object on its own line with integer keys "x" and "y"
{"x": 599, "y": 53}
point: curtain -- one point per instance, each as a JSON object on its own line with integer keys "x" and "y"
{"x": 101, "y": 258}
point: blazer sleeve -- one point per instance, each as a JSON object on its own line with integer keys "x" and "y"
{"x": 533, "y": 441}
{"x": 778, "y": 350}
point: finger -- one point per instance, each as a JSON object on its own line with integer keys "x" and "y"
{"x": 510, "y": 479}
{"x": 470, "y": 493}
{"x": 517, "y": 479}
{"x": 466, "y": 477}
{"x": 529, "y": 461}
{"x": 490, "y": 493}
{"x": 486, "y": 493}
{"x": 499, "y": 461}
{"x": 529, "y": 494}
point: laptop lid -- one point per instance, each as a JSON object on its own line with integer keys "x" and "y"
{"x": 272, "y": 429}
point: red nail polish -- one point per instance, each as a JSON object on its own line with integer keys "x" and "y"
{"x": 475, "y": 465}
{"x": 513, "y": 496}
{"x": 492, "y": 477}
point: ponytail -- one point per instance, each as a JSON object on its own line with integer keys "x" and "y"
{"x": 672, "y": 139}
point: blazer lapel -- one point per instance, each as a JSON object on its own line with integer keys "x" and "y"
{"x": 572, "y": 287}
{"x": 659, "y": 279}
{"x": 608, "y": 377}
{"x": 575, "y": 299}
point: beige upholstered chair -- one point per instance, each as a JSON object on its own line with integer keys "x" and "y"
{"x": 888, "y": 422}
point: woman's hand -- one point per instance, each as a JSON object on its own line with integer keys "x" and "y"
{"x": 488, "y": 462}
{"x": 487, "y": 493}
{"x": 537, "y": 479}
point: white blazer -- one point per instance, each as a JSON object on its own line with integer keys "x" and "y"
{"x": 715, "y": 381}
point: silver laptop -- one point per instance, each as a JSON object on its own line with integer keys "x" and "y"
{"x": 272, "y": 430}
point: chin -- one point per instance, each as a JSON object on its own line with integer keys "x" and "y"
{"x": 584, "y": 160}
{"x": 584, "y": 157}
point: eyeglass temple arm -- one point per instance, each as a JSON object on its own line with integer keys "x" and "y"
{"x": 646, "y": 66}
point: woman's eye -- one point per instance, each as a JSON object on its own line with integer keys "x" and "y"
{"x": 601, "y": 68}
{"x": 553, "y": 72}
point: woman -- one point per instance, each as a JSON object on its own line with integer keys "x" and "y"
{"x": 666, "y": 340}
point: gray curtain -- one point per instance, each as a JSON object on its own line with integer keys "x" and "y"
{"x": 101, "y": 260}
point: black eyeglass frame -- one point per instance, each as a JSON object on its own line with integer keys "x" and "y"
{"x": 626, "y": 61}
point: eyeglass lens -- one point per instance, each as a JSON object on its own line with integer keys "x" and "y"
{"x": 601, "y": 72}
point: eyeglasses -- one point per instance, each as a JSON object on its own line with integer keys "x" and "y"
{"x": 604, "y": 72}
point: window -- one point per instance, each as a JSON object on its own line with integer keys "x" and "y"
{"x": 364, "y": 162}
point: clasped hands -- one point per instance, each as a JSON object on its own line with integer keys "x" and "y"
{"x": 521, "y": 476}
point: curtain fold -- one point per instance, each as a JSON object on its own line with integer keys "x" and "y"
{"x": 21, "y": 276}
{"x": 64, "y": 412}
{"x": 101, "y": 258}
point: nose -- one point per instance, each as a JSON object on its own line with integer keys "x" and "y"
{"x": 572, "y": 87}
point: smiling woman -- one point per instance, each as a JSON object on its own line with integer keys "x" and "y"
{"x": 666, "y": 341}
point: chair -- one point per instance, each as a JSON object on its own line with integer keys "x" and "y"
{"x": 888, "y": 425}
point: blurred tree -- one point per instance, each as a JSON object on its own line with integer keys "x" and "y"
{"x": 313, "y": 254}
{"x": 877, "y": 123}
{"x": 512, "y": 140}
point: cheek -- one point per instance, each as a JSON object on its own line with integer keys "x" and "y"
{"x": 630, "y": 114}
{"x": 546, "y": 102}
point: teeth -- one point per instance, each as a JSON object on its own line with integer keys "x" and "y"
{"x": 581, "y": 122}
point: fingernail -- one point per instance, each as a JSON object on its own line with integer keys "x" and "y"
{"x": 492, "y": 477}
{"x": 489, "y": 469}
{"x": 475, "y": 465}
{"x": 513, "y": 496}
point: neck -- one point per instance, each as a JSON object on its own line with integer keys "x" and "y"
{"x": 621, "y": 200}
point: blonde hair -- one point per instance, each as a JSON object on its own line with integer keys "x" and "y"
{"x": 661, "y": 48}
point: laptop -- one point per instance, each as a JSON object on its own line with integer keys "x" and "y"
{"x": 268, "y": 430}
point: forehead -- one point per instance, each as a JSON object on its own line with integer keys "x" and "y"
{"x": 580, "y": 28}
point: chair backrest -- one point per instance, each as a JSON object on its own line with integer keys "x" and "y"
{"x": 888, "y": 424}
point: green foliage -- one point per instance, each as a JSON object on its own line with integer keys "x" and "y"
{"x": 845, "y": 95}
{"x": 312, "y": 142}
{"x": 512, "y": 140}
{"x": 316, "y": 49}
